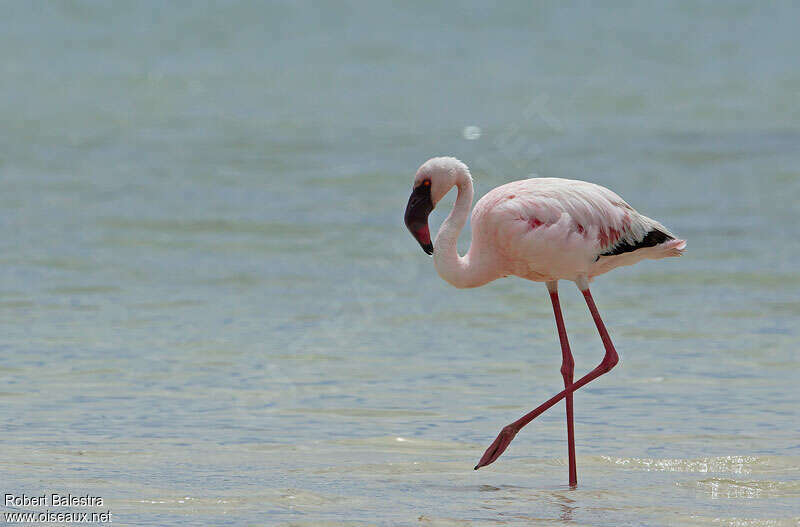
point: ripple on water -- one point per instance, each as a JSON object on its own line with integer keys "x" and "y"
{"x": 286, "y": 499}
{"x": 717, "y": 488}
{"x": 325, "y": 524}
{"x": 397, "y": 443}
{"x": 720, "y": 465}
{"x": 363, "y": 412}
{"x": 411, "y": 467}
{"x": 306, "y": 500}
{"x": 699, "y": 521}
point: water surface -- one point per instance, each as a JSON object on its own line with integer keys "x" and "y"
{"x": 212, "y": 314}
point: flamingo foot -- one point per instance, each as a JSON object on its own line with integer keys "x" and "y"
{"x": 497, "y": 447}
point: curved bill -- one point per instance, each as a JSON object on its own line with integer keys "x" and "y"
{"x": 419, "y": 207}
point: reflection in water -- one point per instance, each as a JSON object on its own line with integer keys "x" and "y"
{"x": 567, "y": 508}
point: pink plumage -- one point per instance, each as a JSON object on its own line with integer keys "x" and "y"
{"x": 548, "y": 229}
{"x": 541, "y": 229}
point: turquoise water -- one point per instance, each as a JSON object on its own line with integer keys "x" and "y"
{"x": 212, "y": 313}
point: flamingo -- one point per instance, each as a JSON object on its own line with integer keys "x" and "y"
{"x": 543, "y": 230}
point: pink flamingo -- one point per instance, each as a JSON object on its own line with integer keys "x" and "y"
{"x": 544, "y": 230}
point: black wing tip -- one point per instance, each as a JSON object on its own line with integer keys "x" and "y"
{"x": 651, "y": 239}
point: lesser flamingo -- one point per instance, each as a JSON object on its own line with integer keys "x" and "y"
{"x": 544, "y": 230}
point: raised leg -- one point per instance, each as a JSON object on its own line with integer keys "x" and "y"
{"x": 610, "y": 359}
{"x": 567, "y": 370}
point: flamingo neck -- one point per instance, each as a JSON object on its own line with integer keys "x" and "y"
{"x": 460, "y": 271}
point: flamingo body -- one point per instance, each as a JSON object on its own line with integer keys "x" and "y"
{"x": 541, "y": 229}
{"x": 546, "y": 229}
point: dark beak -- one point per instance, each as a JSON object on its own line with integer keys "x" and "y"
{"x": 419, "y": 207}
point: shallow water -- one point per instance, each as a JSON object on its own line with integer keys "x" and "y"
{"x": 212, "y": 313}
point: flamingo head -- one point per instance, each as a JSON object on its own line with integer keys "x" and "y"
{"x": 432, "y": 181}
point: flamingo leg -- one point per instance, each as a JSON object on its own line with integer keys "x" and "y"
{"x": 610, "y": 359}
{"x": 567, "y": 371}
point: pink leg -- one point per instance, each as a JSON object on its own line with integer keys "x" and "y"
{"x": 567, "y": 370}
{"x": 610, "y": 359}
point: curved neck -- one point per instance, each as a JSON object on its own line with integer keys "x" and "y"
{"x": 459, "y": 271}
